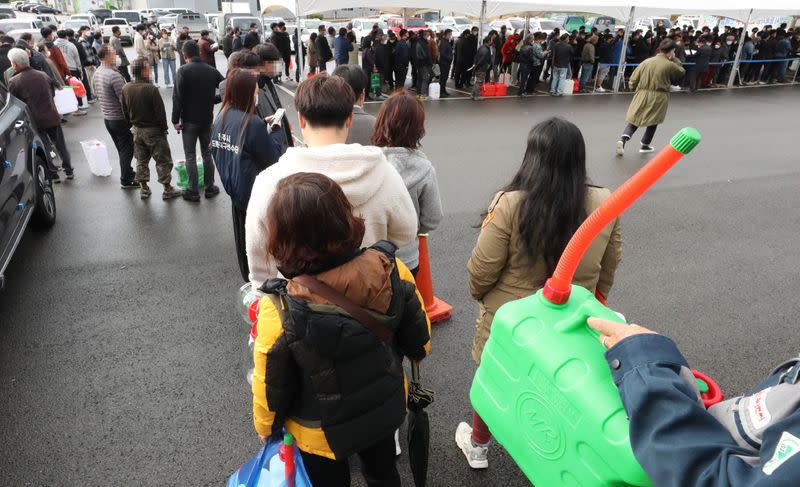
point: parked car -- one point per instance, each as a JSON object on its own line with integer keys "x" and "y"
{"x": 87, "y": 19}
{"x": 48, "y": 19}
{"x": 101, "y": 14}
{"x": 25, "y": 7}
{"x": 651, "y": 23}
{"x": 308, "y": 26}
{"x": 570, "y": 23}
{"x": 413, "y": 24}
{"x": 243, "y": 23}
{"x": 362, "y": 27}
{"x": 456, "y": 24}
{"x": 17, "y": 27}
{"x": 195, "y": 23}
{"x": 26, "y": 191}
{"x": 125, "y": 30}
{"x": 44, "y": 9}
{"x": 17, "y": 5}
{"x": 167, "y": 22}
{"x": 8, "y": 11}
{"x": 132, "y": 16}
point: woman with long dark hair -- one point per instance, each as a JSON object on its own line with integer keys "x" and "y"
{"x": 243, "y": 145}
{"x": 332, "y": 379}
{"x": 526, "y": 229}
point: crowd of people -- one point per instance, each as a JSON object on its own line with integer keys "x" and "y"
{"x": 526, "y": 59}
{"x": 327, "y": 231}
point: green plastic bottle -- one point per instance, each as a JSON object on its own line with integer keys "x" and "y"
{"x": 183, "y": 174}
{"x": 545, "y": 390}
{"x": 544, "y": 387}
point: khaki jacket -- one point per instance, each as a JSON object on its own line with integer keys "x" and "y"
{"x": 500, "y": 271}
{"x": 652, "y": 80}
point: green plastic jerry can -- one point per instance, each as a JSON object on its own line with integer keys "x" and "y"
{"x": 183, "y": 175}
{"x": 546, "y": 392}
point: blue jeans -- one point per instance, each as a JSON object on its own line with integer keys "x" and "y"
{"x": 169, "y": 68}
{"x": 557, "y": 83}
{"x": 586, "y": 74}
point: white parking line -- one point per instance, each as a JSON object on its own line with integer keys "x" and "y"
{"x": 287, "y": 90}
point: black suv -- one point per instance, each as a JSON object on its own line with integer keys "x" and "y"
{"x": 26, "y": 188}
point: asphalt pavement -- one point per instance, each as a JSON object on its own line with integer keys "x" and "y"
{"x": 122, "y": 355}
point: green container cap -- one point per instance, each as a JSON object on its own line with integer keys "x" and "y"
{"x": 701, "y": 385}
{"x": 685, "y": 140}
{"x": 288, "y": 439}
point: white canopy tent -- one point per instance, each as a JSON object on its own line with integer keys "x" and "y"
{"x": 623, "y": 10}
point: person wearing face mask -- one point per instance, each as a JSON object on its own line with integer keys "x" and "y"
{"x": 728, "y": 54}
{"x": 268, "y": 100}
{"x": 716, "y": 58}
{"x": 242, "y": 145}
{"x": 700, "y": 59}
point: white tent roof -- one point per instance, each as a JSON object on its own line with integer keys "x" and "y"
{"x": 619, "y": 9}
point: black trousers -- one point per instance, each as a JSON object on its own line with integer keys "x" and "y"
{"x": 695, "y": 79}
{"x": 56, "y": 136}
{"x": 378, "y": 464}
{"x": 400, "y": 73}
{"x": 238, "y": 214}
{"x": 649, "y": 132}
{"x": 123, "y": 70}
{"x": 120, "y": 132}
{"x": 286, "y": 62}
{"x": 444, "y": 74}
{"x": 78, "y": 75}
{"x": 192, "y": 134}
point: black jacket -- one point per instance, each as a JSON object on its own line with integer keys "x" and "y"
{"x": 701, "y": 58}
{"x": 282, "y": 42}
{"x": 330, "y": 371}
{"x": 605, "y": 52}
{"x": 324, "y": 53}
{"x": 383, "y": 57}
{"x": 562, "y": 54}
{"x": 251, "y": 40}
{"x": 445, "y": 53}
{"x": 195, "y": 93}
{"x": 483, "y": 59}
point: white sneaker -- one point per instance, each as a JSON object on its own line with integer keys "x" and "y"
{"x": 620, "y": 147}
{"x": 600, "y": 89}
{"x": 476, "y": 455}
{"x": 674, "y": 88}
{"x": 397, "y": 449}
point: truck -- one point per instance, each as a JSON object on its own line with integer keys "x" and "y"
{"x": 232, "y": 9}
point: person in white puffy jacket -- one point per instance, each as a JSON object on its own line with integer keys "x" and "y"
{"x": 373, "y": 186}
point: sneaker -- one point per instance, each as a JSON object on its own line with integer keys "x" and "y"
{"x": 144, "y": 191}
{"x": 600, "y": 89}
{"x": 70, "y": 174}
{"x": 674, "y": 88}
{"x": 397, "y": 449}
{"x": 476, "y": 454}
{"x": 80, "y": 113}
{"x": 645, "y": 149}
{"x": 92, "y": 101}
{"x": 132, "y": 184}
{"x": 620, "y": 147}
{"x": 211, "y": 191}
{"x": 170, "y": 192}
{"x": 55, "y": 178}
{"x": 192, "y": 196}
{"x": 477, "y": 98}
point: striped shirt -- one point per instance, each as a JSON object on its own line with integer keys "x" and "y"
{"x": 107, "y": 85}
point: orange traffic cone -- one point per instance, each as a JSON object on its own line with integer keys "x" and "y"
{"x": 437, "y": 309}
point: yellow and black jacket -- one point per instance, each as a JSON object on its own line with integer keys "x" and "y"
{"x": 322, "y": 375}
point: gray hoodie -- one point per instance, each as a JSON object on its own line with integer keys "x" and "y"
{"x": 419, "y": 177}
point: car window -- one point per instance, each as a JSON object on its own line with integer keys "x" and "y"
{"x": 9, "y": 26}
{"x": 549, "y": 25}
{"x": 517, "y": 24}
{"x": 115, "y": 22}
{"x": 416, "y": 23}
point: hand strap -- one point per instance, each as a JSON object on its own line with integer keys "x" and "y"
{"x": 360, "y": 314}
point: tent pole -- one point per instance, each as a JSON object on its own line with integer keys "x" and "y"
{"x": 299, "y": 46}
{"x": 525, "y": 32}
{"x": 738, "y": 59}
{"x": 405, "y": 19}
{"x": 482, "y": 20}
{"x": 622, "y": 56}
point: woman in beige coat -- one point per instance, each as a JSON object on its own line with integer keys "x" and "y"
{"x": 525, "y": 230}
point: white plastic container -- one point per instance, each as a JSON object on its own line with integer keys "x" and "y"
{"x": 568, "y": 87}
{"x": 65, "y": 101}
{"x": 433, "y": 91}
{"x": 97, "y": 156}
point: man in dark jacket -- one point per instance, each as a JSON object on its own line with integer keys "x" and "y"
{"x": 227, "y": 42}
{"x": 251, "y": 40}
{"x": 144, "y": 109}
{"x": 206, "y": 50}
{"x": 35, "y": 89}
{"x": 280, "y": 38}
{"x": 701, "y": 59}
{"x": 383, "y": 60}
{"x": 562, "y": 57}
{"x": 424, "y": 63}
{"x": 324, "y": 53}
{"x": 6, "y": 44}
{"x": 268, "y": 100}
{"x": 193, "y": 100}
{"x": 445, "y": 61}
{"x": 401, "y": 59}
{"x": 481, "y": 66}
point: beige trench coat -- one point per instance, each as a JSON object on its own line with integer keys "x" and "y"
{"x": 652, "y": 80}
{"x": 500, "y": 271}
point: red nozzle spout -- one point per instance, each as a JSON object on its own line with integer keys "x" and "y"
{"x": 557, "y": 289}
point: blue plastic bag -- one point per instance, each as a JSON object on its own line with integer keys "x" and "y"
{"x": 256, "y": 472}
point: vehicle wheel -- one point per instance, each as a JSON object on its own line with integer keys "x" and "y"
{"x": 44, "y": 215}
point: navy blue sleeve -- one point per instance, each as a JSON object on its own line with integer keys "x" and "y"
{"x": 677, "y": 442}
{"x": 265, "y": 148}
